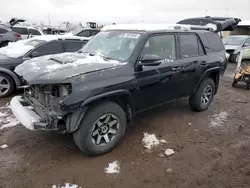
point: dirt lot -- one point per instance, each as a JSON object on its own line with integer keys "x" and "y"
{"x": 212, "y": 150}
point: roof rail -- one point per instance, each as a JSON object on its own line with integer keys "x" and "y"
{"x": 153, "y": 27}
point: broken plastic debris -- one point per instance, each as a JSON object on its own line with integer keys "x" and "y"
{"x": 4, "y": 146}
{"x": 113, "y": 168}
{"x": 169, "y": 152}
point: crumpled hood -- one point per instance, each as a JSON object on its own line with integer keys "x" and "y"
{"x": 57, "y": 68}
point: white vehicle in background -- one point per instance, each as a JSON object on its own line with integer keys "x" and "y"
{"x": 27, "y": 32}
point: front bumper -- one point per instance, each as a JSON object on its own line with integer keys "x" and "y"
{"x": 24, "y": 113}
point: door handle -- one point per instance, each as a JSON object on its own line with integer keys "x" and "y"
{"x": 203, "y": 63}
{"x": 177, "y": 68}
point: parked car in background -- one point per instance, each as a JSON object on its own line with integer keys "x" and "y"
{"x": 234, "y": 44}
{"x": 16, "y": 53}
{"x": 121, "y": 71}
{"x": 7, "y": 34}
{"x": 27, "y": 32}
{"x": 84, "y": 32}
{"x": 246, "y": 54}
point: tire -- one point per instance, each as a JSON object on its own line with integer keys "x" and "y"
{"x": 247, "y": 88}
{"x": 3, "y": 44}
{"x": 5, "y": 80}
{"x": 234, "y": 83}
{"x": 85, "y": 137}
{"x": 196, "y": 99}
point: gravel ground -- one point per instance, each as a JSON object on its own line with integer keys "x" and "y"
{"x": 211, "y": 149}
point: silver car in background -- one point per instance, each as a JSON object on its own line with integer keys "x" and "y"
{"x": 234, "y": 44}
{"x": 7, "y": 34}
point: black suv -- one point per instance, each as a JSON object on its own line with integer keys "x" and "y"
{"x": 123, "y": 70}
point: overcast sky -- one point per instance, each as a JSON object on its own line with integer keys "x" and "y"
{"x": 120, "y": 11}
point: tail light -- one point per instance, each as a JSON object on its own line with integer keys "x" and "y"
{"x": 17, "y": 35}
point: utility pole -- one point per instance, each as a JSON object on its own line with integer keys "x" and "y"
{"x": 49, "y": 19}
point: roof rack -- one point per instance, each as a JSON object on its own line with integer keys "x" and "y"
{"x": 153, "y": 27}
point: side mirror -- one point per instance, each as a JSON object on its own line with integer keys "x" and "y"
{"x": 150, "y": 60}
{"x": 34, "y": 54}
{"x": 246, "y": 44}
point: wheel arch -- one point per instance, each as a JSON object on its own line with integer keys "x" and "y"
{"x": 121, "y": 97}
{"x": 214, "y": 74}
{"x": 12, "y": 75}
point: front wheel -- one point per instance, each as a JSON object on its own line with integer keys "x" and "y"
{"x": 101, "y": 129}
{"x": 7, "y": 85}
{"x": 201, "y": 99}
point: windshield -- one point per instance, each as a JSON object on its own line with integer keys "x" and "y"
{"x": 20, "y": 48}
{"x": 234, "y": 41}
{"x": 118, "y": 45}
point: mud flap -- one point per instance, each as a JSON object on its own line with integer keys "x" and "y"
{"x": 73, "y": 120}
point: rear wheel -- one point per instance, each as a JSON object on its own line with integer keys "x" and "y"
{"x": 101, "y": 129}
{"x": 7, "y": 85}
{"x": 203, "y": 96}
{"x": 234, "y": 83}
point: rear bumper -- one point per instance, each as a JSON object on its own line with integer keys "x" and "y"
{"x": 24, "y": 113}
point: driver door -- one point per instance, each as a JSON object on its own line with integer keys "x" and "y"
{"x": 157, "y": 84}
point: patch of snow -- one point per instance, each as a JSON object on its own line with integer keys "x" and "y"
{"x": 149, "y": 141}
{"x": 15, "y": 49}
{"x": 219, "y": 119}
{"x": 67, "y": 185}
{"x": 169, "y": 170}
{"x": 169, "y": 152}
{"x": 7, "y": 119}
{"x": 4, "y": 146}
{"x": 189, "y": 123}
{"x": 113, "y": 168}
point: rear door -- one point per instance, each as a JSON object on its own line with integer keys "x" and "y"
{"x": 192, "y": 63}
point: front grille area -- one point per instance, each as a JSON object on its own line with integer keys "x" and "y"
{"x": 44, "y": 97}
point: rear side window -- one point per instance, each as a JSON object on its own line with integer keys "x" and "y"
{"x": 3, "y": 31}
{"x": 190, "y": 46}
{"x": 215, "y": 42}
{"x": 73, "y": 46}
{"x": 34, "y": 32}
{"x": 84, "y": 33}
{"x": 20, "y": 30}
{"x": 53, "y": 47}
{"x": 93, "y": 32}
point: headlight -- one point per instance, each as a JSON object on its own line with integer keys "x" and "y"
{"x": 61, "y": 90}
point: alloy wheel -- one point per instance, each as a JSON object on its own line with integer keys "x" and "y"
{"x": 4, "y": 85}
{"x": 105, "y": 129}
{"x": 206, "y": 95}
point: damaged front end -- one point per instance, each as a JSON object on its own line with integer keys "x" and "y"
{"x": 42, "y": 108}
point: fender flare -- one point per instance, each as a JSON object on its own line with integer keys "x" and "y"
{"x": 206, "y": 73}
{"x": 73, "y": 120}
{"x": 107, "y": 94}
{"x": 12, "y": 75}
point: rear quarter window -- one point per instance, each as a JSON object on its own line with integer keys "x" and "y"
{"x": 20, "y": 30}
{"x": 215, "y": 42}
